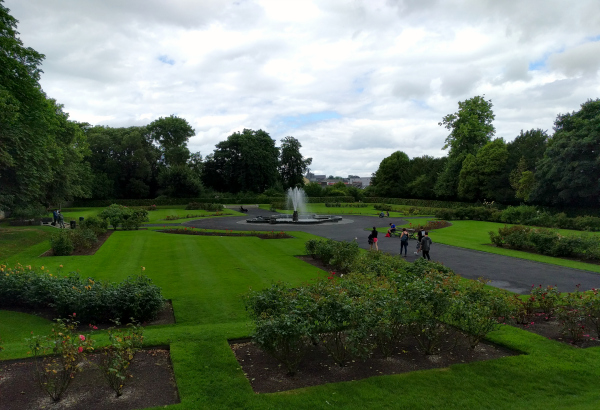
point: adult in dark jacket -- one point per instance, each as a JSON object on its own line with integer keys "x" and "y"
{"x": 426, "y": 245}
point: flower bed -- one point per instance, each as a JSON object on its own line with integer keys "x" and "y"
{"x": 380, "y": 304}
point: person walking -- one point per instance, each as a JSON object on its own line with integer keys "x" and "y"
{"x": 404, "y": 241}
{"x": 426, "y": 245}
{"x": 55, "y": 217}
{"x": 374, "y": 238}
{"x": 61, "y": 219}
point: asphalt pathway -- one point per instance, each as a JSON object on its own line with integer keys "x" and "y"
{"x": 514, "y": 274}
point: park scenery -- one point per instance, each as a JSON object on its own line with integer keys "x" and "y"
{"x": 137, "y": 274}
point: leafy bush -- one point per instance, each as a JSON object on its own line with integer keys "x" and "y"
{"x": 99, "y": 226}
{"x": 204, "y": 206}
{"x": 62, "y": 243}
{"x": 94, "y": 302}
{"x": 134, "y": 218}
{"x": 83, "y": 238}
{"x": 339, "y": 255}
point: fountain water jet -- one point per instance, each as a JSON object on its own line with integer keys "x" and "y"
{"x": 296, "y": 200}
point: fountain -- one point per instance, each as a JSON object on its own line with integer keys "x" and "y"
{"x": 296, "y": 200}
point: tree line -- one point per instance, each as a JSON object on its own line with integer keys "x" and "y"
{"x": 560, "y": 169}
{"x": 45, "y": 158}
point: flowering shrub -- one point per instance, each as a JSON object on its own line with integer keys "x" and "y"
{"x": 117, "y": 356}
{"x": 67, "y": 350}
{"x": 61, "y": 243}
{"x": 381, "y": 302}
{"x": 547, "y": 299}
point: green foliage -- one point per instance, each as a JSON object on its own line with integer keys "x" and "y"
{"x": 117, "y": 356}
{"x": 547, "y": 242}
{"x": 97, "y": 225}
{"x": 568, "y": 172}
{"x": 129, "y": 218}
{"x": 62, "y": 243}
{"x": 391, "y": 178}
{"x": 292, "y": 165}
{"x": 339, "y": 255}
{"x": 480, "y": 175}
{"x": 58, "y": 357}
{"x": 95, "y": 302}
{"x": 342, "y": 205}
{"x": 204, "y": 206}
{"x": 246, "y": 162}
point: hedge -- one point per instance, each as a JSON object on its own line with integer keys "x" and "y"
{"x": 260, "y": 199}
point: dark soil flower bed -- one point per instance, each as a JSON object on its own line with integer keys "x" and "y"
{"x": 85, "y": 252}
{"x": 153, "y": 384}
{"x": 266, "y": 375}
{"x": 261, "y": 235}
{"x": 551, "y": 327}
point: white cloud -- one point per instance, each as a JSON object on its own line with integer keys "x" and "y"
{"x": 391, "y": 69}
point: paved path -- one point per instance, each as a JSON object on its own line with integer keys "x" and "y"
{"x": 514, "y": 274}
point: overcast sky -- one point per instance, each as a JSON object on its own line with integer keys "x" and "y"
{"x": 354, "y": 81}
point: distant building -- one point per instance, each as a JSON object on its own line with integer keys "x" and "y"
{"x": 352, "y": 180}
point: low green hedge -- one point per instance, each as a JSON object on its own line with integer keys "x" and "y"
{"x": 547, "y": 242}
{"x": 93, "y": 302}
{"x": 524, "y": 215}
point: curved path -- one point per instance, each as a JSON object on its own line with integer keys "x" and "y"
{"x": 514, "y": 274}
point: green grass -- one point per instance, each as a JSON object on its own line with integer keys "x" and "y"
{"x": 205, "y": 276}
{"x": 14, "y": 240}
{"x": 474, "y": 235}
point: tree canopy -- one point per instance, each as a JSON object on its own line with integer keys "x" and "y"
{"x": 569, "y": 172}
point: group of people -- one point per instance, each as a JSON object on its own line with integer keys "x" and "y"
{"x": 58, "y": 218}
{"x": 423, "y": 241}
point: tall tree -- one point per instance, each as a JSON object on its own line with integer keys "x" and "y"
{"x": 569, "y": 172}
{"x": 423, "y": 175}
{"x": 470, "y": 129}
{"x": 481, "y": 175}
{"x": 40, "y": 150}
{"x": 172, "y": 134}
{"x": 124, "y": 162}
{"x": 246, "y": 161}
{"x": 392, "y": 176}
{"x": 292, "y": 165}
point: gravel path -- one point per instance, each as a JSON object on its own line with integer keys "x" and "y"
{"x": 514, "y": 274}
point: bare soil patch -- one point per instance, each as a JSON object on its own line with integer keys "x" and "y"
{"x": 153, "y": 384}
{"x": 315, "y": 262}
{"x": 266, "y": 375}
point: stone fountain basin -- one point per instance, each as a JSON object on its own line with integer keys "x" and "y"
{"x": 302, "y": 219}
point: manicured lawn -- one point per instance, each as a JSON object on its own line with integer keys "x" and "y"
{"x": 474, "y": 235}
{"x": 205, "y": 276}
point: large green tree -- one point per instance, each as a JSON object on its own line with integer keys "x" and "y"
{"x": 40, "y": 149}
{"x": 569, "y": 172}
{"x": 246, "y": 162}
{"x": 481, "y": 175}
{"x": 423, "y": 174}
{"x": 292, "y": 165}
{"x": 392, "y": 176}
{"x": 470, "y": 129}
{"x": 124, "y": 162}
